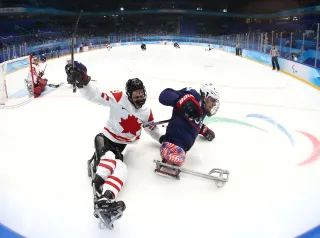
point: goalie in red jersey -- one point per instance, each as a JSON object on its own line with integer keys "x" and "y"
{"x": 37, "y": 72}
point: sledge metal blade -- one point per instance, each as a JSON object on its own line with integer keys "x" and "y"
{"x": 221, "y": 179}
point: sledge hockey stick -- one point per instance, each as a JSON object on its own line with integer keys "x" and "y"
{"x": 72, "y": 47}
{"x": 153, "y": 123}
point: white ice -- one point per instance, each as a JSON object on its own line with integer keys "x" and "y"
{"x": 45, "y": 191}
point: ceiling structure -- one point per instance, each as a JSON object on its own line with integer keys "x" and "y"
{"x": 236, "y": 6}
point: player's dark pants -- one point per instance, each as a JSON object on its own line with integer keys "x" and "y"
{"x": 103, "y": 144}
{"x": 275, "y": 62}
{"x": 237, "y": 51}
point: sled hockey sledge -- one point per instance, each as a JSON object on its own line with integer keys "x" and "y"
{"x": 219, "y": 176}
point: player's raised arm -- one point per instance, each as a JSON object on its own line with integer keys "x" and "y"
{"x": 89, "y": 91}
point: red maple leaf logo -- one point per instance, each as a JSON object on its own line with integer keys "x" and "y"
{"x": 130, "y": 125}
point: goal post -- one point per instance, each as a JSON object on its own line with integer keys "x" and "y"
{"x": 16, "y": 84}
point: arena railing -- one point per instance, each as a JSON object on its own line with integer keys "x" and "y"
{"x": 302, "y": 47}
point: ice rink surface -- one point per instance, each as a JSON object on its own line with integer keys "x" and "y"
{"x": 267, "y": 136}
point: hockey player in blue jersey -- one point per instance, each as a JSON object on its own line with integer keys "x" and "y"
{"x": 190, "y": 107}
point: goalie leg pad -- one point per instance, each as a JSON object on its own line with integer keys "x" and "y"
{"x": 172, "y": 154}
{"x": 42, "y": 82}
{"x": 38, "y": 90}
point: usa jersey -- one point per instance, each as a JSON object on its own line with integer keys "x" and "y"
{"x": 125, "y": 122}
{"x": 181, "y": 131}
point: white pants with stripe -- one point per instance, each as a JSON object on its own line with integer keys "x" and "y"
{"x": 114, "y": 172}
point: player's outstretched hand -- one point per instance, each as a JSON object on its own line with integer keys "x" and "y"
{"x": 77, "y": 74}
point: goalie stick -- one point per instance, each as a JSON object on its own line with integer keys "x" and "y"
{"x": 55, "y": 85}
{"x": 44, "y": 68}
{"x": 72, "y": 46}
{"x": 51, "y": 85}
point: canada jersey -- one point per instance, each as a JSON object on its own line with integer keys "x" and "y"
{"x": 125, "y": 122}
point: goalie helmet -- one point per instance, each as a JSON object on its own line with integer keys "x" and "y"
{"x": 208, "y": 90}
{"x": 34, "y": 58}
{"x": 134, "y": 85}
{"x": 43, "y": 58}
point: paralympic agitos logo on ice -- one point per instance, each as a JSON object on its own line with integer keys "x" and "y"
{"x": 314, "y": 155}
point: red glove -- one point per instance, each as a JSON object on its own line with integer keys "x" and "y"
{"x": 207, "y": 133}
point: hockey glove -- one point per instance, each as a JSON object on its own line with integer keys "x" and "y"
{"x": 207, "y": 133}
{"x": 77, "y": 75}
{"x": 190, "y": 107}
{"x": 161, "y": 139}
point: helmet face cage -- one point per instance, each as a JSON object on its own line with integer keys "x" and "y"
{"x": 208, "y": 90}
{"x": 34, "y": 59}
{"x": 134, "y": 85}
{"x": 43, "y": 58}
{"x": 214, "y": 109}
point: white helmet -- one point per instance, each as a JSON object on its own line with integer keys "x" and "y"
{"x": 208, "y": 90}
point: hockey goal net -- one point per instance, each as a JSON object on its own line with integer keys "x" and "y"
{"x": 16, "y": 84}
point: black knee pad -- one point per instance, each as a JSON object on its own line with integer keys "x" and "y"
{"x": 100, "y": 145}
{"x": 118, "y": 155}
{"x": 103, "y": 145}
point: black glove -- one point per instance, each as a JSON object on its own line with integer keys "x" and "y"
{"x": 161, "y": 139}
{"x": 207, "y": 133}
{"x": 190, "y": 107}
{"x": 77, "y": 75}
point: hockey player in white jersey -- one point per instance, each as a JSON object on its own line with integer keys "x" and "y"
{"x": 128, "y": 113}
